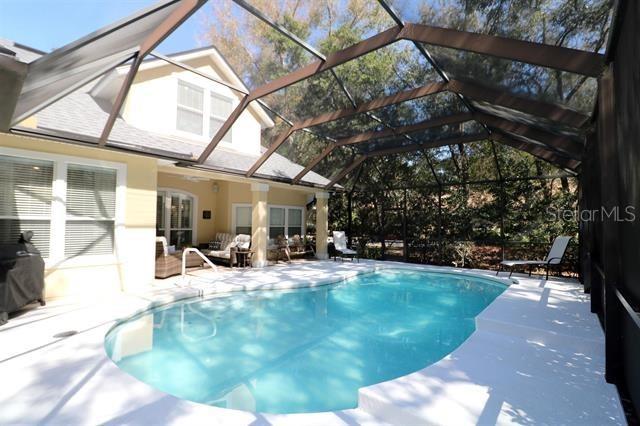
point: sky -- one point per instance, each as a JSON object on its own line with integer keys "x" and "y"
{"x": 49, "y": 24}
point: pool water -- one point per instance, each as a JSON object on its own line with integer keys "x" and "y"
{"x": 304, "y": 350}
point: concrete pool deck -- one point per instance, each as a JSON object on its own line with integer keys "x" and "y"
{"x": 537, "y": 356}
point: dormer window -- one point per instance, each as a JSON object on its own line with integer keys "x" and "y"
{"x": 192, "y": 110}
{"x": 221, "y": 108}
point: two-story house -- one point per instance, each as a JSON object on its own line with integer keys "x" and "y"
{"x": 96, "y": 212}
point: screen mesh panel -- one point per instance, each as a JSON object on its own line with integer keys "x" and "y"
{"x": 540, "y": 83}
{"x": 54, "y": 75}
{"x": 580, "y": 25}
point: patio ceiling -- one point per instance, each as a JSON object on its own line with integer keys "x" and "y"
{"x": 462, "y": 109}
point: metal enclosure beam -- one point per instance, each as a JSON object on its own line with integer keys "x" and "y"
{"x": 198, "y": 72}
{"x": 346, "y": 171}
{"x": 369, "y": 45}
{"x": 537, "y": 151}
{"x": 430, "y": 144}
{"x": 544, "y": 55}
{"x": 407, "y": 148}
{"x": 369, "y": 136}
{"x": 55, "y": 75}
{"x": 12, "y": 75}
{"x": 553, "y": 112}
{"x": 564, "y": 144}
{"x": 347, "y": 112}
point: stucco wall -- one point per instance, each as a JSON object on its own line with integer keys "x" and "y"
{"x": 134, "y": 263}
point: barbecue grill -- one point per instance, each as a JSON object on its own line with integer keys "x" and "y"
{"x": 21, "y": 276}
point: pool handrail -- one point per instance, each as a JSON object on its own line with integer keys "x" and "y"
{"x": 199, "y": 253}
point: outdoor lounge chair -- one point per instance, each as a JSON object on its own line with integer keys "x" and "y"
{"x": 341, "y": 249}
{"x": 554, "y": 258}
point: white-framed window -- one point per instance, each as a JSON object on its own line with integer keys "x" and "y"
{"x": 220, "y": 109}
{"x": 286, "y": 221}
{"x": 90, "y": 210}
{"x": 202, "y": 112}
{"x": 74, "y": 206}
{"x": 190, "y": 113}
{"x": 241, "y": 222}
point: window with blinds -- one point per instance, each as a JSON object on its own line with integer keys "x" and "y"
{"x": 285, "y": 221}
{"x": 90, "y": 211}
{"x": 221, "y": 108}
{"x": 25, "y": 194}
{"x": 190, "y": 108}
{"x": 243, "y": 220}
{"x": 294, "y": 222}
{"x": 276, "y": 222}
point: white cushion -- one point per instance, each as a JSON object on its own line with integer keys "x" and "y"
{"x": 348, "y": 251}
{"x": 243, "y": 241}
{"x": 219, "y": 253}
{"x": 339, "y": 240}
{"x": 522, "y": 262}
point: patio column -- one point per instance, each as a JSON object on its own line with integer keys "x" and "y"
{"x": 322, "y": 224}
{"x": 259, "y": 225}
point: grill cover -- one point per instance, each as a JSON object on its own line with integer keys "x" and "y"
{"x": 21, "y": 277}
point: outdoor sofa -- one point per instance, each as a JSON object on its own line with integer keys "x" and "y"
{"x": 224, "y": 247}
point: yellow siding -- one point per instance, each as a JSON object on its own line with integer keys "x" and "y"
{"x": 152, "y": 104}
{"x": 286, "y": 197}
{"x": 134, "y": 264}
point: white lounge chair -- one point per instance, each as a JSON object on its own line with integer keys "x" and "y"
{"x": 340, "y": 244}
{"x": 555, "y": 256}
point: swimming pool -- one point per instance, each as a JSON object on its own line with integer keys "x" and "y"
{"x": 303, "y": 350}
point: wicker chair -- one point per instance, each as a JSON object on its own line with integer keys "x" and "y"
{"x": 298, "y": 247}
{"x": 169, "y": 264}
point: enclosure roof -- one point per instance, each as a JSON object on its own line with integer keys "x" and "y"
{"x": 459, "y": 64}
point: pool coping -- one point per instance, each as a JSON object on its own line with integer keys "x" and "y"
{"x": 213, "y": 292}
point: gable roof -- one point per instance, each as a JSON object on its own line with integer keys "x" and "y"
{"x": 223, "y": 67}
{"x": 80, "y": 116}
{"x": 22, "y": 53}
